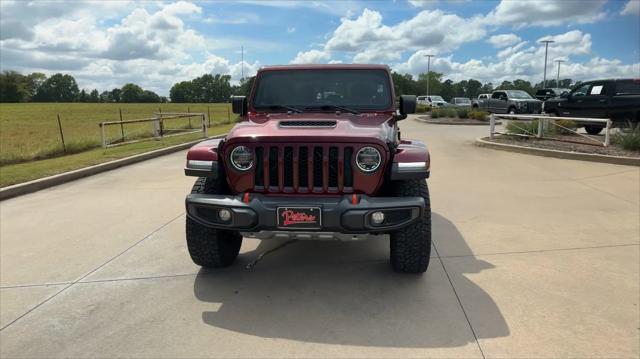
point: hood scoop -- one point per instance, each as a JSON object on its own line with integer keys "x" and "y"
{"x": 315, "y": 123}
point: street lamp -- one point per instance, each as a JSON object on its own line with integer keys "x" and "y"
{"x": 558, "y": 77}
{"x": 428, "y": 70}
{"x": 546, "y": 50}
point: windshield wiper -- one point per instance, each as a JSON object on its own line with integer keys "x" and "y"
{"x": 290, "y": 108}
{"x": 336, "y": 107}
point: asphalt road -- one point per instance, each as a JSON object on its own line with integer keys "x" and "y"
{"x": 534, "y": 257}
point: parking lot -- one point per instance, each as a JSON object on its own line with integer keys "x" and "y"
{"x": 533, "y": 257}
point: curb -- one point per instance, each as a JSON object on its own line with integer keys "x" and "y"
{"x": 46, "y": 182}
{"x": 479, "y": 123}
{"x": 591, "y": 157}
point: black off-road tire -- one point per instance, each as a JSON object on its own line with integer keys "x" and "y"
{"x": 593, "y": 130}
{"x": 210, "y": 247}
{"x": 411, "y": 245}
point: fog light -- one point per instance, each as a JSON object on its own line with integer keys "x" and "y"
{"x": 224, "y": 215}
{"x": 377, "y": 217}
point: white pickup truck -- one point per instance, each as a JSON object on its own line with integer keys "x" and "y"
{"x": 432, "y": 100}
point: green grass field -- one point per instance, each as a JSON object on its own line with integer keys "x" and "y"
{"x": 30, "y": 144}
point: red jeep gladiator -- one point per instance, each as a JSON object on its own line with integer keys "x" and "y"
{"x": 317, "y": 155}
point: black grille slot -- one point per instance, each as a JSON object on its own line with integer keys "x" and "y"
{"x": 288, "y": 166}
{"x": 259, "y": 176}
{"x": 273, "y": 167}
{"x": 303, "y": 170}
{"x": 317, "y": 167}
{"x": 333, "y": 166}
{"x": 348, "y": 171}
{"x": 307, "y": 123}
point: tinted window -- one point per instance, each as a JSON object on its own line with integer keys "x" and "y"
{"x": 628, "y": 87}
{"x": 518, "y": 94}
{"x": 497, "y": 94}
{"x": 581, "y": 90}
{"x": 310, "y": 88}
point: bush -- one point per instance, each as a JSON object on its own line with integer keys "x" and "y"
{"x": 422, "y": 108}
{"x": 571, "y": 125}
{"x": 522, "y": 127}
{"x": 436, "y": 112}
{"x": 463, "y": 113}
{"x": 629, "y": 137}
{"x": 479, "y": 115}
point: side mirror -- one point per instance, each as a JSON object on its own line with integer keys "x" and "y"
{"x": 239, "y": 105}
{"x": 407, "y": 105}
{"x": 564, "y": 94}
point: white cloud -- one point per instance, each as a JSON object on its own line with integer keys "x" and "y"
{"x": 504, "y": 40}
{"x": 631, "y": 8}
{"x": 526, "y": 62}
{"x": 291, "y": 30}
{"x": 545, "y": 12}
{"x": 311, "y": 57}
{"x": 372, "y": 41}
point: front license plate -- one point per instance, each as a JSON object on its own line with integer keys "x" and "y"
{"x": 300, "y": 217}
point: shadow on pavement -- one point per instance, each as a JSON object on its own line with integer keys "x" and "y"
{"x": 346, "y": 293}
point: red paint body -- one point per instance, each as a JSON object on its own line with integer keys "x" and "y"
{"x": 376, "y": 128}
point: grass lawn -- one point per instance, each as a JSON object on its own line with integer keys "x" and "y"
{"x": 29, "y": 131}
{"x": 22, "y": 172}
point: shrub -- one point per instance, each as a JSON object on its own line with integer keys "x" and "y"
{"x": 463, "y": 113}
{"x": 522, "y": 127}
{"x": 568, "y": 124}
{"x": 422, "y": 108}
{"x": 435, "y": 113}
{"x": 479, "y": 115}
{"x": 629, "y": 137}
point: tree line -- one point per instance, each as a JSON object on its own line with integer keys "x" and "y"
{"x": 212, "y": 88}
{"x": 37, "y": 87}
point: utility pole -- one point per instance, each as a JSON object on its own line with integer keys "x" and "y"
{"x": 428, "y": 70}
{"x": 558, "y": 77}
{"x": 242, "y": 63}
{"x": 546, "y": 50}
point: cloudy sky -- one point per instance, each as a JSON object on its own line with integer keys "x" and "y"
{"x": 155, "y": 44}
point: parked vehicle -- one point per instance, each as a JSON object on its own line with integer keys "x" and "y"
{"x": 511, "y": 101}
{"x": 618, "y": 100}
{"x": 481, "y": 100}
{"x": 545, "y": 94}
{"x": 463, "y": 102}
{"x": 302, "y": 165}
{"x": 433, "y": 101}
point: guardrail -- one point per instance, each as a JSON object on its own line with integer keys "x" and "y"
{"x": 544, "y": 121}
{"x": 158, "y": 128}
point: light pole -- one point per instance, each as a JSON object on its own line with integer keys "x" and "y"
{"x": 428, "y": 70}
{"x": 546, "y": 50}
{"x": 558, "y": 77}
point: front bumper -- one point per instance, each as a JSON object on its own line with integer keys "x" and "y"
{"x": 339, "y": 214}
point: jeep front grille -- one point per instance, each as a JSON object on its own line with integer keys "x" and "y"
{"x": 325, "y": 168}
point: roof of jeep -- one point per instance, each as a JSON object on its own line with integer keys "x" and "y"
{"x": 326, "y": 66}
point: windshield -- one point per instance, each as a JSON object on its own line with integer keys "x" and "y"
{"x": 437, "y": 98}
{"x": 355, "y": 89}
{"x": 519, "y": 94}
{"x": 462, "y": 100}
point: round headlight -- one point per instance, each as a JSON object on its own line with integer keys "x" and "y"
{"x": 241, "y": 158}
{"x": 368, "y": 159}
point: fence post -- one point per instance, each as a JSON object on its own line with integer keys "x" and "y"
{"x": 204, "y": 126}
{"x": 121, "y": 125}
{"x": 492, "y": 125}
{"x": 208, "y": 116}
{"x": 189, "y": 116}
{"x": 104, "y": 138}
{"x": 606, "y": 133}
{"x": 540, "y": 125}
{"x": 64, "y": 146}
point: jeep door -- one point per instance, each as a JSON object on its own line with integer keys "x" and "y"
{"x": 498, "y": 102}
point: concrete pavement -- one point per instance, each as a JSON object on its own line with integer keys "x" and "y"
{"x": 533, "y": 257}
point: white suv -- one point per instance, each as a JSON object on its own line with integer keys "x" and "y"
{"x": 433, "y": 101}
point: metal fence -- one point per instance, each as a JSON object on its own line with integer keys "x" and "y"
{"x": 544, "y": 121}
{"x": 164, "y": 124}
